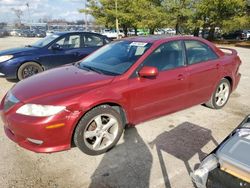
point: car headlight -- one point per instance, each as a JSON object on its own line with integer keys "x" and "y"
{"x": 39, "y": 110}
{"x": 5, "y": 58}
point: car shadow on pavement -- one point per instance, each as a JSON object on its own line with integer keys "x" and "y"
{"x": 183, "y": 142}
{"x": 12, "y": 80}
{"x": 127, "y": 165}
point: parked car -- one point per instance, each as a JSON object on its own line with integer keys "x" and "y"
{"x": 159, "y": 32}
{"x": 131, "y": 32}
{"x": 247, "y": 32}
{"x": 142, "y": 32}
{"x": 237, "y": 35}
{"x": 170, "y": 31}
{"x": 228, "y": 165}
{"x": 3, "y": 33}
{"x": 40, "y": 33}
{"x": 112, "y": 34}
{"x": 27, "y": 33}
{"x": 15, "y": 32}
{"x": 124, "y": 83}
{"x": 52, "y": 51}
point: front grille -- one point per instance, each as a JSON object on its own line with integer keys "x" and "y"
{"x": 10, "y": 101}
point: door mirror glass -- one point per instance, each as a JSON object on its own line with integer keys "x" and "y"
{"x": 56, "y": 46}
{"x": 148, "y": 72}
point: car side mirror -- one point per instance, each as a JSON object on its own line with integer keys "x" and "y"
{"x": 56, "y": 47}
{"x": 148, "y": 72}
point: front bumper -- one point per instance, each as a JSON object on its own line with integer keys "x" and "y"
{"x": 9, "y": 68}
{"x": 23, "y": 129}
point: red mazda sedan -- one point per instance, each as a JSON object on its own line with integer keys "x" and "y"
{"x": 123, "y": 83}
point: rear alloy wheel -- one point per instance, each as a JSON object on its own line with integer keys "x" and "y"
{"x": 28, "y": 69}
{"x": 221, "y": 95}
{"x": 98, "y": 130}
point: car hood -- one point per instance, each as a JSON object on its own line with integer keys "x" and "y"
{"x": 14, "y": 51}
{"x": 61, "y": 80}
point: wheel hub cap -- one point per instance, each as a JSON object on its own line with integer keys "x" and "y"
{"x": 222, "y": 94}
{"x": 101, "y": 132}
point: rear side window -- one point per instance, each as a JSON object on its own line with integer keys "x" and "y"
{"x": 198, "y": 52}
{"x": 93, "y": 41}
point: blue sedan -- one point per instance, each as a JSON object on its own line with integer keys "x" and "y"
{"x": 52, "y": 51}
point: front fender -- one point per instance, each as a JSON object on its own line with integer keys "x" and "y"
{"x": 97, "y": 98}
{"x": 10, "y": 68}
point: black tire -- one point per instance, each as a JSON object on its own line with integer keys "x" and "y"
{"x": 86, "y": 123}
{"x": 28, "y": 69}
{"x": 212, "y": 103}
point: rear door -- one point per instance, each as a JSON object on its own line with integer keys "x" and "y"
{"x": 166, "y": 92}
{"x": 91, "y": 42}
{"x": 203, "y": 68}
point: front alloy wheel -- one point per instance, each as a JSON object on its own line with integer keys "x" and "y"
{"x": 99, "y": 130}
{"x": 28, "y": 69}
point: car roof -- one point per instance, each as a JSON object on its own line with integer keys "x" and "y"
{"x": 75, "y": 32}
{"x": 156, "y": 38}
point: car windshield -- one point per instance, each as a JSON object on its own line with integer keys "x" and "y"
{"x": 45, "y": 41}
{"x": 115, "y": 58}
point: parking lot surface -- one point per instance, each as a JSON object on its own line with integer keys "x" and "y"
{"x": 157, "y": 154}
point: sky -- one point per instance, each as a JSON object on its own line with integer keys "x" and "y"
{"x": 54, "y": 9}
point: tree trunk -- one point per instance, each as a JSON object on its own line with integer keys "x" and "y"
{"x": 135, "y": 28}
{"x": 196, "y": 31}
{"x": 151, "y": 31}
{"x": 211, "y": 33}
{"x": 177, "y": 28}
{"x": 203, "y": 33}
{"x": 125, "y": 30}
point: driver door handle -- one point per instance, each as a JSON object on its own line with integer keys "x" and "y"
{"x": 180, "y": 77}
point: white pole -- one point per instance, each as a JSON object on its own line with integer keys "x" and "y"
{"x": 116, "y": 20}
{"x": 28, "y": 6}
{"x": 85, "y": 16}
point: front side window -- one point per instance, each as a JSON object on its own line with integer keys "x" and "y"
{"x": 198, "y": 52}
{"x": 115, "y": 58}
{"x": 70, "y": 41}
{"x": 167, "y": 56}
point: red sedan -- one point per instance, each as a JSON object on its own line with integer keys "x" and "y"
{"x": 123, "y": 83}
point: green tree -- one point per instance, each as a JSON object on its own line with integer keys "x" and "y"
{"x": 179, "y": 12}
{"x": 149, "y": 14}
{"x": 185, "y": 15}
{"x": 218, "y": 13}
{"x": 130, "y": 13}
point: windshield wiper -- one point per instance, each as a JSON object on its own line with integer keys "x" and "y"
{"x": 92, "y": 69}
{"x": 31, "y": 46}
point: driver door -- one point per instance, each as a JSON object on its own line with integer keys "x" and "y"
{"x": 68, "y": 51}
{"x": 166, "y": 92}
